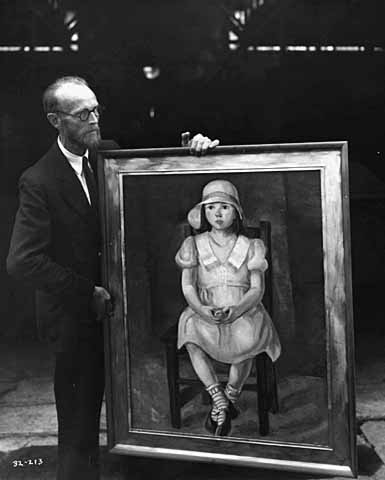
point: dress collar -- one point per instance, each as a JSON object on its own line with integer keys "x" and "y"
{"x": 236, "y": 258}
{"x": 239, "y": 252}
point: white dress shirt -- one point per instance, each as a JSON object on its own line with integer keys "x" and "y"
{"x": 76, "y": 163}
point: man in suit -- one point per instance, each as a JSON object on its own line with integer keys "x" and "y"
{"x": 56, "y": 247}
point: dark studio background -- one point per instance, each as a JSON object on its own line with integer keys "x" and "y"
{"x": 240, "y": 95}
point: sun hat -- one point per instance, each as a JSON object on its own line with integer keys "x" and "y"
{"x": 215, "y": 191}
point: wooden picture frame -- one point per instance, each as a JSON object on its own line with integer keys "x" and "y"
{"x": 301, "y": 192}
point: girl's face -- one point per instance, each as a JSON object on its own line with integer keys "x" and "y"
{"x": 220, "y": 215}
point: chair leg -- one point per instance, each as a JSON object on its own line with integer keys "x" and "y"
{"x": 274, "y": 401}
{"x": 263, "y": 394}
{"x": 173, "y": 386}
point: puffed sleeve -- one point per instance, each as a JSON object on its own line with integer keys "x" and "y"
{"x": 186, "y": 256}
{"x": 256, "y": 256}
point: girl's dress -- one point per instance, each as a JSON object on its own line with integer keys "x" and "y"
{"x": 222, "y": 284}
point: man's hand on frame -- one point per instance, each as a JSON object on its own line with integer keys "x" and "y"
{"x": 199, "y": 144}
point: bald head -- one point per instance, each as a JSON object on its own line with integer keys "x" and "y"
{"x": 64, "y": 88}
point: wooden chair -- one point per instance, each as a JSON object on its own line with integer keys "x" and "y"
{"x": 182, "y": 390}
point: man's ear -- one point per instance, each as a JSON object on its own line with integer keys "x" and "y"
{"x": 53, "y": 119}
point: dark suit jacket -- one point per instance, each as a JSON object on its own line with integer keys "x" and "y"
{"x": 55, "y": 247}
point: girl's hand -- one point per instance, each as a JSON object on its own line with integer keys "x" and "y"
{"x": 206, "y": 313}
{"x": 230, "y": 314}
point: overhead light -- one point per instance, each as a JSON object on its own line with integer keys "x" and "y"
{"x": 151, "y": 72}
{"x": 9, "y": 48}
{"x": 69, "y": 16}
{"x": 72, "y": 24}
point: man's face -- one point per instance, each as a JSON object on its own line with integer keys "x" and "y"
{"x": 77, "y": 135}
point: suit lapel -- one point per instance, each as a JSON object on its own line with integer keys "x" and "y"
{"x": 70, "y": 187}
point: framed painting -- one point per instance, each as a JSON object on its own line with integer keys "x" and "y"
{"x": 232, "y": 336}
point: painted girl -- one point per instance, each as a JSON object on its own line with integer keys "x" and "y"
{"x": 223, "y": 284}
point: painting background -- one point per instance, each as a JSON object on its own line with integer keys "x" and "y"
{"x": 155, "y": 209}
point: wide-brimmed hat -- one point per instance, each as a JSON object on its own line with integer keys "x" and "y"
{"x": 215, "y": 191}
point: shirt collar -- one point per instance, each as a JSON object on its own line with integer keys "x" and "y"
{"x": 76, "y": 161}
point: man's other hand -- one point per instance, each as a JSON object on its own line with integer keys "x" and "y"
{"x": 101, "y": 303}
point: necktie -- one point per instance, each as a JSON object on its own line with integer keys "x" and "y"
{"x": 91, "y": 183}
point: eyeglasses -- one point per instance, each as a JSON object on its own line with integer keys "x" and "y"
{"x": 84, "y": 115}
